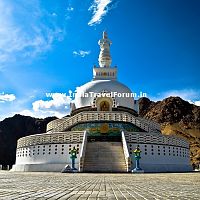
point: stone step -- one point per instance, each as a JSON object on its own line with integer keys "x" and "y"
{"x": 110, "y": 156}
{"x": 104, "y": 157}
{"x": 104, "y": 150}
{"x": 104, "y": 153}
{"x": 104, "y": 170}
{"x": 101, "y": 164}
{"x": 106, "y": 165}
{"x": 105, "y": 160}
{"x": 105, "y": 147}
{"x": 105, "y": 143}
{"x": 93, "y": 169}
{"x": 113, "y": 168}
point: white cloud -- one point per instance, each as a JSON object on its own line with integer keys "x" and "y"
{"x": 70, "y": 8}
{"x": 59, "y": 102}
{"x": 81, "y": 53}
{"x": 58, "y": 105}
{"x": 189, "y": 95}
{"x": 99, "y": 10}
{"x": 54, "y": 14}
{"x": 42, "y": 114}
{"x": 7, "y": 97}
{"x": 22, "y": 31}
{"x": 197, "y": 103}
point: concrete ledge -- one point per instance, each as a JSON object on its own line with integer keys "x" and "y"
{"x": 58, "y": 167}
{"x": 137, "y": 171}
{"x": 40, "y": 167}
{"x": 149, "y": 167}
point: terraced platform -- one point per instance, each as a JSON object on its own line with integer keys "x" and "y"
{"x": 52, "y": 186}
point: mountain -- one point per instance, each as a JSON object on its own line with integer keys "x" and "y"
{"x": 177, "y": 117}
{"x": 13, "y": 128}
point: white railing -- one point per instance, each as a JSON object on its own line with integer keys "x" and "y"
{"x": 154, "y": 138}
{"x": 63, "y": 124}
{"x": 126, "y": 152}
{"x": 82, "y": 152}
{"x": 48, "y": 138}
{"x": 150, "y": 123}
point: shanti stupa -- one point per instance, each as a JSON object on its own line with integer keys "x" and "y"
{"x": 105, "y": 129}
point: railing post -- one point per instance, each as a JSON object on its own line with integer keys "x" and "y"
{"x": 82, "y": 152}
{"x": 126, "y": 152}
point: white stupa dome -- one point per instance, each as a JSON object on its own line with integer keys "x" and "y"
{"x": 104, "y": 81}
{"x": 98, "y": 86}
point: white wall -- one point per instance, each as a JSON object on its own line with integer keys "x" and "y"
{"x": 161, "y": 157}
{"x": 53, "y": 157}
{"x": 47, "y": 154}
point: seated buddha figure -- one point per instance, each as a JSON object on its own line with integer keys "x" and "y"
{"x": 104, "y": 106}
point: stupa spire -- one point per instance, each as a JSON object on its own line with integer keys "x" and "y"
{"x": 104, "y": 55}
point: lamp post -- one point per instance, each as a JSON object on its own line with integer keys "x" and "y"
{"x": 73, "y": 156}
{"x": 137, "y": 156}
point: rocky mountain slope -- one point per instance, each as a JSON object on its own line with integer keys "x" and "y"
{"x": 177, "y": 117}
{"x": 13, "y": 128}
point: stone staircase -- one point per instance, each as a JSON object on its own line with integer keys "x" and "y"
{"x": 104, "y": 157}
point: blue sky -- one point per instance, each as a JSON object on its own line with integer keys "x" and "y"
{"x": 51, "y": 46}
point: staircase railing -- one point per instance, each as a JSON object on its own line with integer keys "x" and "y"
{"x": 126, "y": 152}
{"x": 82, "y": 152}
{"x": 151, "y": 123}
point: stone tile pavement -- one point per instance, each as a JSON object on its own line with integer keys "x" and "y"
{"x": 52, "y": 186}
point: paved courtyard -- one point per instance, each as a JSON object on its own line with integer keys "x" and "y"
{"x": 98, "y": 186}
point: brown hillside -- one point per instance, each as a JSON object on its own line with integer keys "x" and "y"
{"x": 177, "y": 117}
